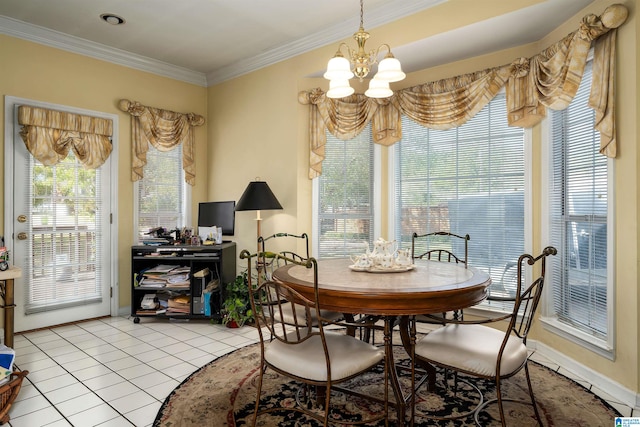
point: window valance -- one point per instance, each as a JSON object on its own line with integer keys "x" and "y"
{"x": 50, "y": 134}
{"x": 549, "y": 79}
{"x": 163, "y": 129}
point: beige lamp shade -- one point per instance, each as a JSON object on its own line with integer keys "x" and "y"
{"x": 338, "y": 68}
{"x": 339, "y": 89}
{"x": 378, "y": 89}
{"x": 390, "y": 70}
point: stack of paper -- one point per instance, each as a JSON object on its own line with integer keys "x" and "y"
{"x": 179, "y": 304}
{"x": 163, "y": 275}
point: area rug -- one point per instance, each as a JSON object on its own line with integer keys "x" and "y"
{"x": 223, "y": 393}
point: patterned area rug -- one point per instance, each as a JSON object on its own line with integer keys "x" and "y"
{"x": 223, "y": 393}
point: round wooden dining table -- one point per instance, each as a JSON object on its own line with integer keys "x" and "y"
{"x": 428, "y": 287}
{"x": 396, "y": 296}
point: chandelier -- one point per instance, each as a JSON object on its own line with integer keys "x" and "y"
{"x": 341, "y": 69}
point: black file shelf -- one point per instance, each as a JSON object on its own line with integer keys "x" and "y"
{"x": 218, "y": 260}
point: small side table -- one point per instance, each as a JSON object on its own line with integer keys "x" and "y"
{"x": 7, "y": 294}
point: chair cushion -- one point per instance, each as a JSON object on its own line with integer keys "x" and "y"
{"x": 472, "y": 348}
{"x": 348, "y": 356}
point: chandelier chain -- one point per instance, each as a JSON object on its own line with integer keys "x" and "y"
{"x": 361, "y": 13}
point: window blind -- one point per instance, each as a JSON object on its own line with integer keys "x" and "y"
{"x": 63, "y": 201}
{"x": 466, "y": 180}
{"x": 578, "y": 216}
{"x": 345, "y": 208}
{"x": 161, "y": 191}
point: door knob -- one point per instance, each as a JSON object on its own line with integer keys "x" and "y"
{"x": 22, "y": 218}
{"x": 22, "y": 236}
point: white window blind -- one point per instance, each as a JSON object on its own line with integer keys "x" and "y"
{"x": 63, "y": 200}
{"x": 466, "y": 180}
{"x": 345, "y": 196}
{"x": 578, "y": 217}
{"x": 161, "y": 192}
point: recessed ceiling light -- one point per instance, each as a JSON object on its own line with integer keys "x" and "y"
{"x": 112, "y": 19}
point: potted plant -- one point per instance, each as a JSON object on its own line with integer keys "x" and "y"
{"x": 236, "y": 307}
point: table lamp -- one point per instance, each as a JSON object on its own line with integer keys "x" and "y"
{"x": 257, "y": 197}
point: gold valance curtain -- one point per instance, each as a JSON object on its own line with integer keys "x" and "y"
{"x": 550, "y": 79}
{"x": 163, "y": 129}
{"x": 50, "y": 134}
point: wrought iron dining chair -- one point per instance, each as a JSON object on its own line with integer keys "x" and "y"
{"x": 440, "y": 246}
{"x": 269, "y": 261}
{"x": 302, "y": 239}
{"x": 478, "y": 350}
{"x": 302, "y": 348}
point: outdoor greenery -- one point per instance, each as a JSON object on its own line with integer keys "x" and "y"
{"x": 64, "y": 196}
{"x": 466, "y": 178}
{"x": 345, "y": 185}
{"x": 64, "y": 206}
{"x": 346, "y": 197}
{"x": 161, "y": 191}
{"x": 68, "y": 186}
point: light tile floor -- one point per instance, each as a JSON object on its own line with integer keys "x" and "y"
{"x": 112, "y": 372}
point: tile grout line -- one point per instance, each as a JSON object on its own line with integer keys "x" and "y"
{"x": 100, "y": 326}
{"x": 60, "y": 337}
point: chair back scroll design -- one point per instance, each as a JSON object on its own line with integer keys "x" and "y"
{"x": 294, "y": 342}
{"x": 288, "y": 316}
{"x": 288, "y": 253}
{"x": 269, "y": 262}
{"x": 443, "y": 254}
{"x": 439, "y": 254}
{"x": 527, "y": 300}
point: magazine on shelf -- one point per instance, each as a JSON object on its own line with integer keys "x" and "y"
{"x": 164, "y": 275}
{"x": 161, "y": 268}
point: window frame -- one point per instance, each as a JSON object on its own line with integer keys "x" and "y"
{"x": 185, "y": 204}
{"x": 549, "y": 320}
{"x": 377, "y": 201}
{"x": 11, "y": 131}
{"x": 486, "y": 308}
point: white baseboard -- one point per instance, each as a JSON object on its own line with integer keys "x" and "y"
{"x": 604, "y": 383}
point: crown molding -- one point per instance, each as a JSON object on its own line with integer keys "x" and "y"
{"x": 58, "y": 40}
{"x": 389, "y": 12}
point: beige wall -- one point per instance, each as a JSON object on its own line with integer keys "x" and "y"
{"x": 256, "y": 128}
{"x": 36, "y": 72}
{"x": 274, "y": 146}
{"x": 625, "y": 368}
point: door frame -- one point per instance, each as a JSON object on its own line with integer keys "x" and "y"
{"x": 9, "y": 107}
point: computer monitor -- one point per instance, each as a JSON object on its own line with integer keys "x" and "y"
{"x": 219, "y": 214}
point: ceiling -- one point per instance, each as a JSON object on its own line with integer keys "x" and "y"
{"x": 209, "y": 41}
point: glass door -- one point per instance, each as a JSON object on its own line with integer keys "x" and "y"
{"x": 61, "y": 239}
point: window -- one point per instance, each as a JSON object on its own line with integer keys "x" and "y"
{"x": 344, "y": 194}
{"x": 578, "y": 219}
{"x": 466, "y": 180}
{"x": 65, "y": 204}
{"x": 162, "y": 194}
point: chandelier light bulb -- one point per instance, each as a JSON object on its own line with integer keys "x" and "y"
{"x": 378, "y": 89}
{"x": 339, "y": 89}
{"x": 390, "y": 70}
{"x": 338, "y": 68}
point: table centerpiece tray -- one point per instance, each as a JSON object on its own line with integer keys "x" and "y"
{"x": 378, "y": 269}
